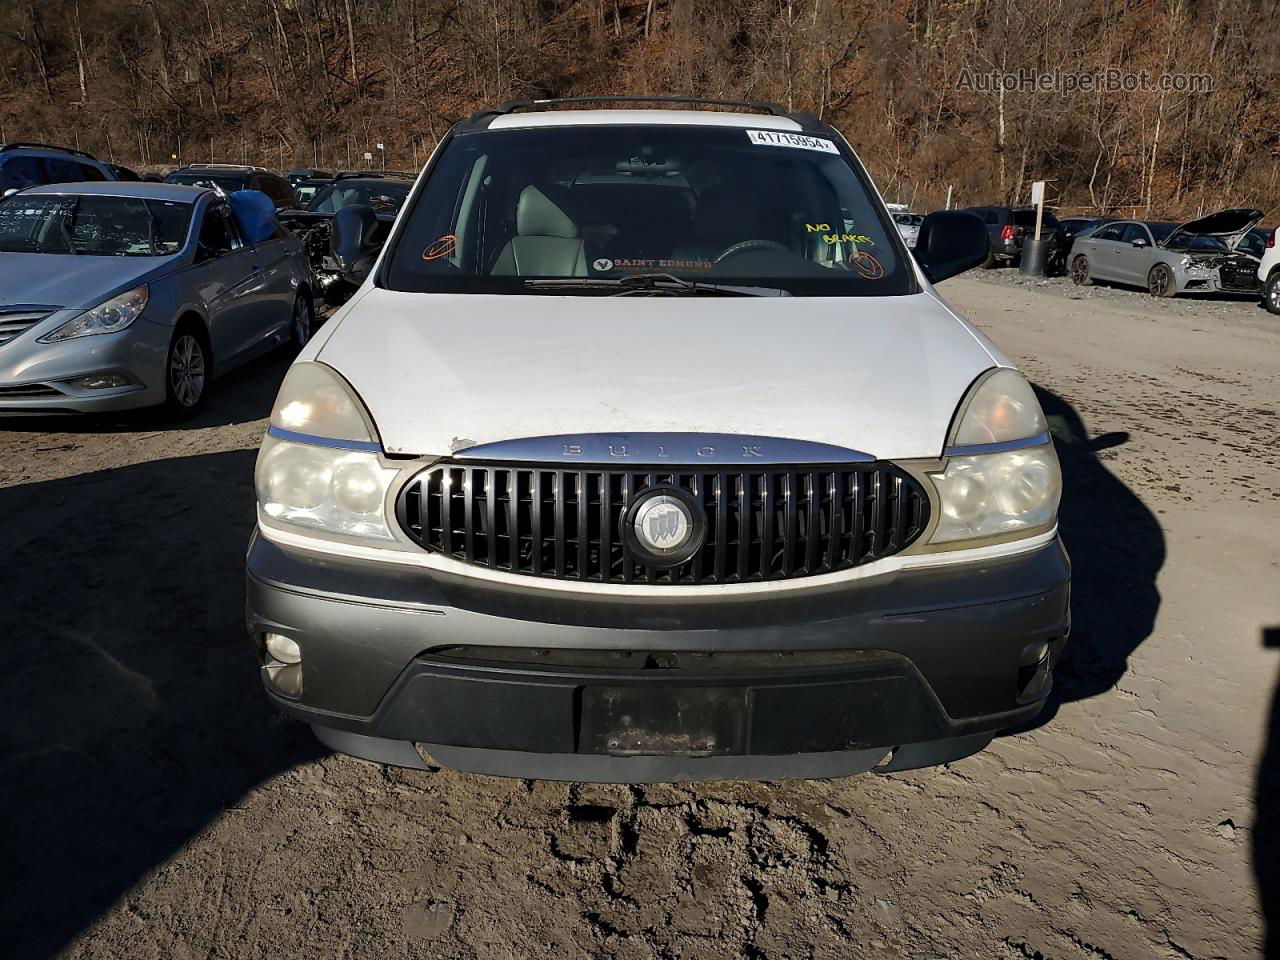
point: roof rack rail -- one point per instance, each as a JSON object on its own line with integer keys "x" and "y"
{"x": 513, "y": 106}
{"x": 30, "y": 145}
{"x": 807, "y": 121}
{"x": 376, "y": 174}
{"x": 226, "y": 166}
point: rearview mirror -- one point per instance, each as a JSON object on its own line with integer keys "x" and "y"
{"x": 951, "y": 242}
{"x": 351, "y": 241}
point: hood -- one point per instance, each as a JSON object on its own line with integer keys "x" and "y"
{"x": 441, "y": 372}
{"x": 62, "y": 280}
{"x": 1230, "y": 225}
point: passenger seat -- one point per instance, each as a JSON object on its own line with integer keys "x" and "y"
{"x": 547, "y": 241}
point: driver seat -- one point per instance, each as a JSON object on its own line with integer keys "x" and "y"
{"x": 547, "y": 241}
{"x": 720, "y": 220}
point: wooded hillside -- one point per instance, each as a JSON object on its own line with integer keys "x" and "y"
{"x": 280, "y": 82}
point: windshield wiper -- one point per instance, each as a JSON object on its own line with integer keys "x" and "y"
{"x": 655, "y": 283}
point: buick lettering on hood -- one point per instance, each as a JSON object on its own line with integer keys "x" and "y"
{"x": 534, "y": 508}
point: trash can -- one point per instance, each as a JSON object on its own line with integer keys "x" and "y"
{"x": 1034, "y": 255}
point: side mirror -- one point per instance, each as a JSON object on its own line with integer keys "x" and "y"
{"x": 951, "y": 242}
{"x": 351, "y": 241}
{"x": 1138, "y": 242}
{"x": 8, "y": 193}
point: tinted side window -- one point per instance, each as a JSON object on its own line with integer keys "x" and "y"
{"x": 215, "y": 235}
{"x": 1135, "y": 231}
{"x": 65, "y": 171}
{"x": 17, "y": 173}
{"x": 1111, "y": 232}
{"x": 88, "y": 172}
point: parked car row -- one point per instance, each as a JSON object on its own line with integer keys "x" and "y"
{"x": 1225, "y": 252}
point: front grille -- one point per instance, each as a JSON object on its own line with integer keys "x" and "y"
{"x": 769, "y": 524}
{"x": 12, "y": 324}
{"x": 29, "y": 390}
{"x": 1239, "y": 276}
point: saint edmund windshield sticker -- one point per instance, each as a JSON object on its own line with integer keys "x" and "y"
{"x": 778, "y": 138}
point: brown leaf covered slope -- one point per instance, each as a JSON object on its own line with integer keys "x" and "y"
{"x": 284, "y": 82}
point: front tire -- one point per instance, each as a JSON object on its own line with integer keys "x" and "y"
{"x": 302, "y": 326}
{"x": 1160, "y": 282}
{"x": 1080, "y": 271}
{"x": 1271, "y": 292}
{"x": 186, "y": 371}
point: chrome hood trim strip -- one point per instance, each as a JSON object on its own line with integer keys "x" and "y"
{"x": 691, "y": 449}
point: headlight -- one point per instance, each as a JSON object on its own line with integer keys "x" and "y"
{"x": 319, "y": 465}
{"x": 998, "y": 493}
{"x": 1011, "y": 490}
{"x": 109, "y": 316}
{"x": 999, "y": 408}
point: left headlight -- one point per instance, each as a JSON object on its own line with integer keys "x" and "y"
{"x": 329, "y": 475}
{"x": 110, "y": 316}
{"x": 1001, "y": 478}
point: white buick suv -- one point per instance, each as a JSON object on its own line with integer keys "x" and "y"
{"x": 645, "y": 451}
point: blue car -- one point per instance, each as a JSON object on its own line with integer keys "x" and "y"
{"x": 115, "y": 295}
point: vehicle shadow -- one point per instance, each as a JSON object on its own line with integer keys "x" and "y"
{"x": 1266, "y": 823}
{"x": 1117, "y": 549}
{"x": 243, "y": 395}
{"x": 130, "y": 714}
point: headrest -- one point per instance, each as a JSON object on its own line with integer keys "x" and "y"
{"x": 721, "y": 212}
{"x": 538, "y": 216}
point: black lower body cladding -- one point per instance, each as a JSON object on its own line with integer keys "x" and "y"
{"x": 892, "y": 672}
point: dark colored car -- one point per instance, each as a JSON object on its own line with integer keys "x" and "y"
{"x": 305, "y": 190}
{"x": 1008, "y": 227}
{"x": 25, "y": 165}
{"x": 230, "y": 177}
{"x": 385, "y": 194}
{"x": 298, "y": 174}
{"x": 124, "y": 173}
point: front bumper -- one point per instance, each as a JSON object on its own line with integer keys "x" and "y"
{"x": 927, "y": 664}
{"x": 36, "y": 378}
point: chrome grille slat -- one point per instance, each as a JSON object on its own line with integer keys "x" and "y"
{"x": 15, "y": 324}
{"x": 770, "y": 523}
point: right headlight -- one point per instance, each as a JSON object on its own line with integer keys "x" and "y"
{"x": 319, "y": 466}
{"x": 1001, "y": 478}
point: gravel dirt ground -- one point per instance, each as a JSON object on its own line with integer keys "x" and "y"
{"x": 155, "y": 807}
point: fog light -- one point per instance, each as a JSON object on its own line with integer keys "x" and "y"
{"x": 102, "y": 381}
{"x": 1033, "y": 671}
{"x": 282, "y": 649}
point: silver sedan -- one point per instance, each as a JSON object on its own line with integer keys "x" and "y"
{"x": 120, "y": 295}
{"x": 1207, "y": 255}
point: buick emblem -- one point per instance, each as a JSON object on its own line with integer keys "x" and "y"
{"x": 663, "y": 524}
{"x": 664, "y": 527}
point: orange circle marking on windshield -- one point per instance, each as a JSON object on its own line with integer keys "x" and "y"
{"x": 440, "y": 248}
{"x": 867, "y": 266}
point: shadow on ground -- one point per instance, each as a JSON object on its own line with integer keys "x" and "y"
{"x": 130, "y": 714}
{"x": 1117, "y": 549}
{"x": 1266, "y": 824}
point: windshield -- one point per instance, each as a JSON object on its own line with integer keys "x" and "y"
{"x": 94, "y": 226}
{"x": 229, "y": 184}
{"x": 385, "y": 197}
{"x": 723, "y": 205}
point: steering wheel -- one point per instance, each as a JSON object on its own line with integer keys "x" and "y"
{"x": 750, "y": 246}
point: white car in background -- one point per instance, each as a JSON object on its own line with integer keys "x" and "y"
{"x": 909, "y": 227}
{"x": 1269, "y": 273}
